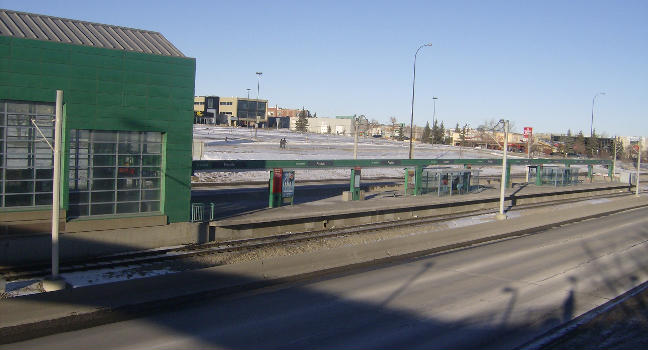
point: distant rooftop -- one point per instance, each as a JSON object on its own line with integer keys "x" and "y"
{"x": 48, "y": 28}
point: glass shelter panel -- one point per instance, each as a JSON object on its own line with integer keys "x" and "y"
{"x": 444, "y": 182}
{"x": 26, "y": 159}
{"x": 114, "y": 172}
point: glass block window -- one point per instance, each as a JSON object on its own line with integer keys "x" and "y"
{"x": 114, "y": 172}
{"x": 26, "y": 160}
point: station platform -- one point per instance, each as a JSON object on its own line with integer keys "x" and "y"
{"x": 389, "y": 206}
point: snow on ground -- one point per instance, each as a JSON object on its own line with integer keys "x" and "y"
{"x": 226, "y": 143}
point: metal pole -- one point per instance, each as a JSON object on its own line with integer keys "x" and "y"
{"x": 434, "y": 110}
{"x": 638, "y": 167}
{"x": 411, "y": 150}
{"x": 355, "y": 138}
{"x": 256, "y": 109}
{"x": 528, "y": 156}
{"x": 248, "y": 91}
{"x": 501, "y": 215}
{"x": 592, "y": 122}
{"x": 56, "y": 186}
{"x": 614, "y": 160}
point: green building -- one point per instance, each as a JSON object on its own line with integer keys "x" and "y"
{"x": 127, "y": 130}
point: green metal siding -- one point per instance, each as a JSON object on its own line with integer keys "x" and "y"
{"x": 107, "y": 89}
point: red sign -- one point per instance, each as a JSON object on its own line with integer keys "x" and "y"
{"x": 528, "y": 131}
{"x": 276, "y": 180}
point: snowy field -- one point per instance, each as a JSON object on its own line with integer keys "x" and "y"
{"x": 226, "y": 143}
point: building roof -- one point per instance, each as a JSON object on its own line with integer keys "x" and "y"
{"x": 63, "y": 30}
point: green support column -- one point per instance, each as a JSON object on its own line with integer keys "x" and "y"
{"x": 354, "y": 186}
{"x": 418, "y": 174}
{"x": 406, "y": 180}
{"x": 538, "y": 180}
{"x": 590, "y": 172}
{"x": 270, "y": 189}
{"x": 274, "y": 197}
{"x": 611, "y": 172}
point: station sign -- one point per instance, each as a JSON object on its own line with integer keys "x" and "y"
{"x": 528, "y": 131}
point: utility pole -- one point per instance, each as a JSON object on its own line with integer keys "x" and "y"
{"x": 55, "y": 282}
{"x": 501, "y": 215}
{"x": 614, "y": 159}
{"x": 355, "y": 138}
{"x": 638, "y": 167}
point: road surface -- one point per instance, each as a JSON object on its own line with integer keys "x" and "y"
{"x": 497, "y": 295}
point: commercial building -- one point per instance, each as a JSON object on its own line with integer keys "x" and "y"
{"x": 206, "y": 109}
{"x": 243, "y": 111}
{"x": 336, "y": 126}
{"x": 127, "y": 126}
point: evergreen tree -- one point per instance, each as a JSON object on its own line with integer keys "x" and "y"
{"x": 401, "y": 132}
{"x": 592, "y": 145}
{"x": 441, "y": 135}
{"x": 435, "y": 132}
{"x": 302, "y": 121}
{"x": 462, "y": 134}
{"x": 457, "y": 129}
{"x": 425, "y": 138}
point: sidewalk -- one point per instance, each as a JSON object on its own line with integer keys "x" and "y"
{"x": 47, "y": 313}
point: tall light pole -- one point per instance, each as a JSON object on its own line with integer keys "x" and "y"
{"x": 592, "y": 123}
{"x": 411, "y": 150}
{"x": 356, "y": 120}
{"x": 248, "y": 90}
{"x": 638, "y": 166}
{"x": 256, "y": 110}
{"x": 501, "y": 215}
{"x": 54, "y": 281}
{"x": 434, "y": 110}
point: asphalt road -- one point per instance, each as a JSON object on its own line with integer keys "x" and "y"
{"x": 498, "y": 295}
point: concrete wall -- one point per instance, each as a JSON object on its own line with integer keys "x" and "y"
{"x": 32, "y": 248}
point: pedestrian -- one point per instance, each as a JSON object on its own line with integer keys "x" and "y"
{"x": 281, "y": 143}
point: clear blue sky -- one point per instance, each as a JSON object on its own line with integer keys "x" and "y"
{"x": 537, "y": 63}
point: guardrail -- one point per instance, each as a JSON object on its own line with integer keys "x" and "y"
{"x": 415, "y": 174}
{"x": 224, "y": 165}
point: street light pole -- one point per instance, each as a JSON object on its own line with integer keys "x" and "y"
{"x": 411, "y": 150}
{"x": 501, "y": 215}
{"x": 434, "y": 110}
{"x": 54, "y": 281}
{"x": 592, "y": 122}
{"x": 638, "y": 167}
{"x": 355, "y": 138}
{"x": 256, "y": 109}
{"x": 614, "y": 160}
{"x": 248, "y": 91}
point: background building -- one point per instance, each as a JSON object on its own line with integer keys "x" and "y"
{"x": 334, "y": 126}
{"x": 243, "y": 111}
{"x": 206, "y": 109}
